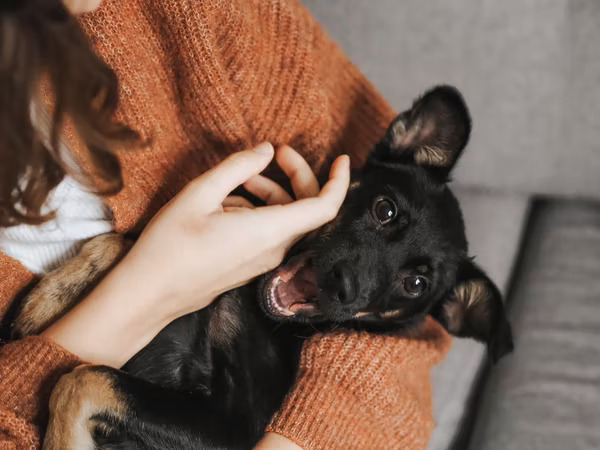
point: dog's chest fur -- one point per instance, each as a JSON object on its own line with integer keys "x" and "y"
{"x": 229, "y": 352}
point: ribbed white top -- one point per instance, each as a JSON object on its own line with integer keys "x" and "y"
{"x": 80, "y": 215}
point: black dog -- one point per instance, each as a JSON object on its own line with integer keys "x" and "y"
{"x": 395, "y": 253}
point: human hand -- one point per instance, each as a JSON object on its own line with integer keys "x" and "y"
{"x": 204, "y": 242}
{"x": 199, "y": 245}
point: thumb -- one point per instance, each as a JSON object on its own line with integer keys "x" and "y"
{"x": 216, "y": 184}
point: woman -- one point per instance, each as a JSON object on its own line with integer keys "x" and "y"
{"x": 198, "y": 81}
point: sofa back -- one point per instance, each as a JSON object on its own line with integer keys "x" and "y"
{"x": 529, "y": 70}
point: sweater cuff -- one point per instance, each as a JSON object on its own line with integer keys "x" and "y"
{"x": 355, "y": 390}
{"x": 318, "y": 417}
{"x": 29, "y": 369}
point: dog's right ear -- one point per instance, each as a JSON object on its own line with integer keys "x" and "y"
{"x": 433, "y": 133}
{"x": 475, "y": 309}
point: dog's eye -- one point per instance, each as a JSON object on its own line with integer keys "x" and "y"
{"x": 384, "y": 210}
{"x": 415, "y": 285}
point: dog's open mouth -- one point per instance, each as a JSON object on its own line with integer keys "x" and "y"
{"x": 292, "y": 289}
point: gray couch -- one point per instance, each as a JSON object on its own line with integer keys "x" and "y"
{"x": 530, "y": 189}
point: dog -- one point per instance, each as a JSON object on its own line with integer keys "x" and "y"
{"x": 395, "y": 253}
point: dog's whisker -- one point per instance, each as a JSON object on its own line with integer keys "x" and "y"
{"x": 336, "y": 326}
{"x": 301, "y": 337}
{"x": 313, "y": 327}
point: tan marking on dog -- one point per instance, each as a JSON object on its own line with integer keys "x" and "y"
{"x": 61, "y": 289}
{"x": 392, "y": 314}
{"x": 423, "y": 269}
{"x": 77, "y": 397}
{"x": 465, "y": 297}
{"x": 224, "y": 323}
{"x": 472, "y": 292}
{"x": 431, "y": 156}
{"x": 384, "y": 315}
{"x": 400, "y": 137}
{"x": 407, "y": 138}
{"x": 397, "y": 133}
{"x": 353, "y": 186}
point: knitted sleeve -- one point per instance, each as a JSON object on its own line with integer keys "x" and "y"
{"x": 356, "y": 390}
{"x": 29, "y": 368}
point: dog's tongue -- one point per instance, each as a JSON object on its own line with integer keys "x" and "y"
{"x": 297, "y": 287}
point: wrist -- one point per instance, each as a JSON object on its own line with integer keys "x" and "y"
{"x": 159, "y": 288}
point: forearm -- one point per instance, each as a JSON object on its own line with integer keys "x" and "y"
{"x": 112, "y": 323}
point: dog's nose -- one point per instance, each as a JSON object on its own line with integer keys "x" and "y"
{"x": 341, "y": 286}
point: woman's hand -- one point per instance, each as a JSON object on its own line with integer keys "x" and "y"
{"x": 201, "y": 244}
{"x": 204, "y": 243}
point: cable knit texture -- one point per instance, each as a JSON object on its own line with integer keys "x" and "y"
{"x": 203, "y": 79}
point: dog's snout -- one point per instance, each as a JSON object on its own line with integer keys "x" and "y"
{"x": 341, "y": 285}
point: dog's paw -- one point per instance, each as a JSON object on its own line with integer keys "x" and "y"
{"x": 61, "y": 289}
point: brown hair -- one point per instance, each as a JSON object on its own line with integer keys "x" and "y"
{"x": 40, "y": 38}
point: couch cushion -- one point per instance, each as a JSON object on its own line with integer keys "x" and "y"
{"x": 529, "y": 72}
{"x": 494, "y": 223}
{"x": 547, "y": 394}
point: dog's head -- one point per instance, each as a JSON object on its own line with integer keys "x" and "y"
{"x": 397, "y": 249}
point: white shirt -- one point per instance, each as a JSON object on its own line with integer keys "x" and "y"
{"x": 80, "y": 215}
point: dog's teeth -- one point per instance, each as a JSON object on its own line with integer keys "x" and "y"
{"x": 273, "y": 303}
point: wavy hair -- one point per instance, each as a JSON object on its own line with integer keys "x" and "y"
{"x": 40, "y": 39}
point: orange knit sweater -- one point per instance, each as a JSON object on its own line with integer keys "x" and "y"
{"x": 204, "y": 79}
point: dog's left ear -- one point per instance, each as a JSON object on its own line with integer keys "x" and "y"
{"x": 432, "y": 133}
{"x": 475, "y": 309}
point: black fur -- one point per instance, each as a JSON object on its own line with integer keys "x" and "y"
{"x": 213, "y": 379}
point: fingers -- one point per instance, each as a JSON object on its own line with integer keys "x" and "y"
{"x": 334, "y": 191}
{"x": 304, "y": 182}
{"x": 214, "y": 185}
{"x": 307, "y": 214}
{"x": 235, "y": 201}
{"x": 267, "y": 190}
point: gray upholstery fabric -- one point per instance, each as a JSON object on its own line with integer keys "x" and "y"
{"x": 547, "y": 394}
{"x": 494, "y": 224}
{"x": 529, "y": 70}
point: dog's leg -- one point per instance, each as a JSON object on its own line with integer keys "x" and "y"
{"x": 75, "y": 401}
{"x": 61, "y": 289}
{"x": 101, "y": 407}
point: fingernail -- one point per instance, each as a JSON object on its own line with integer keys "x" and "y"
{"x": 266, "y": 148}
{"x": 346, "y": 161}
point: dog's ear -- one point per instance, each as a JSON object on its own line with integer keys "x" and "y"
{"x": 474, "y": 309}
{"x": 432, "y": 133}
